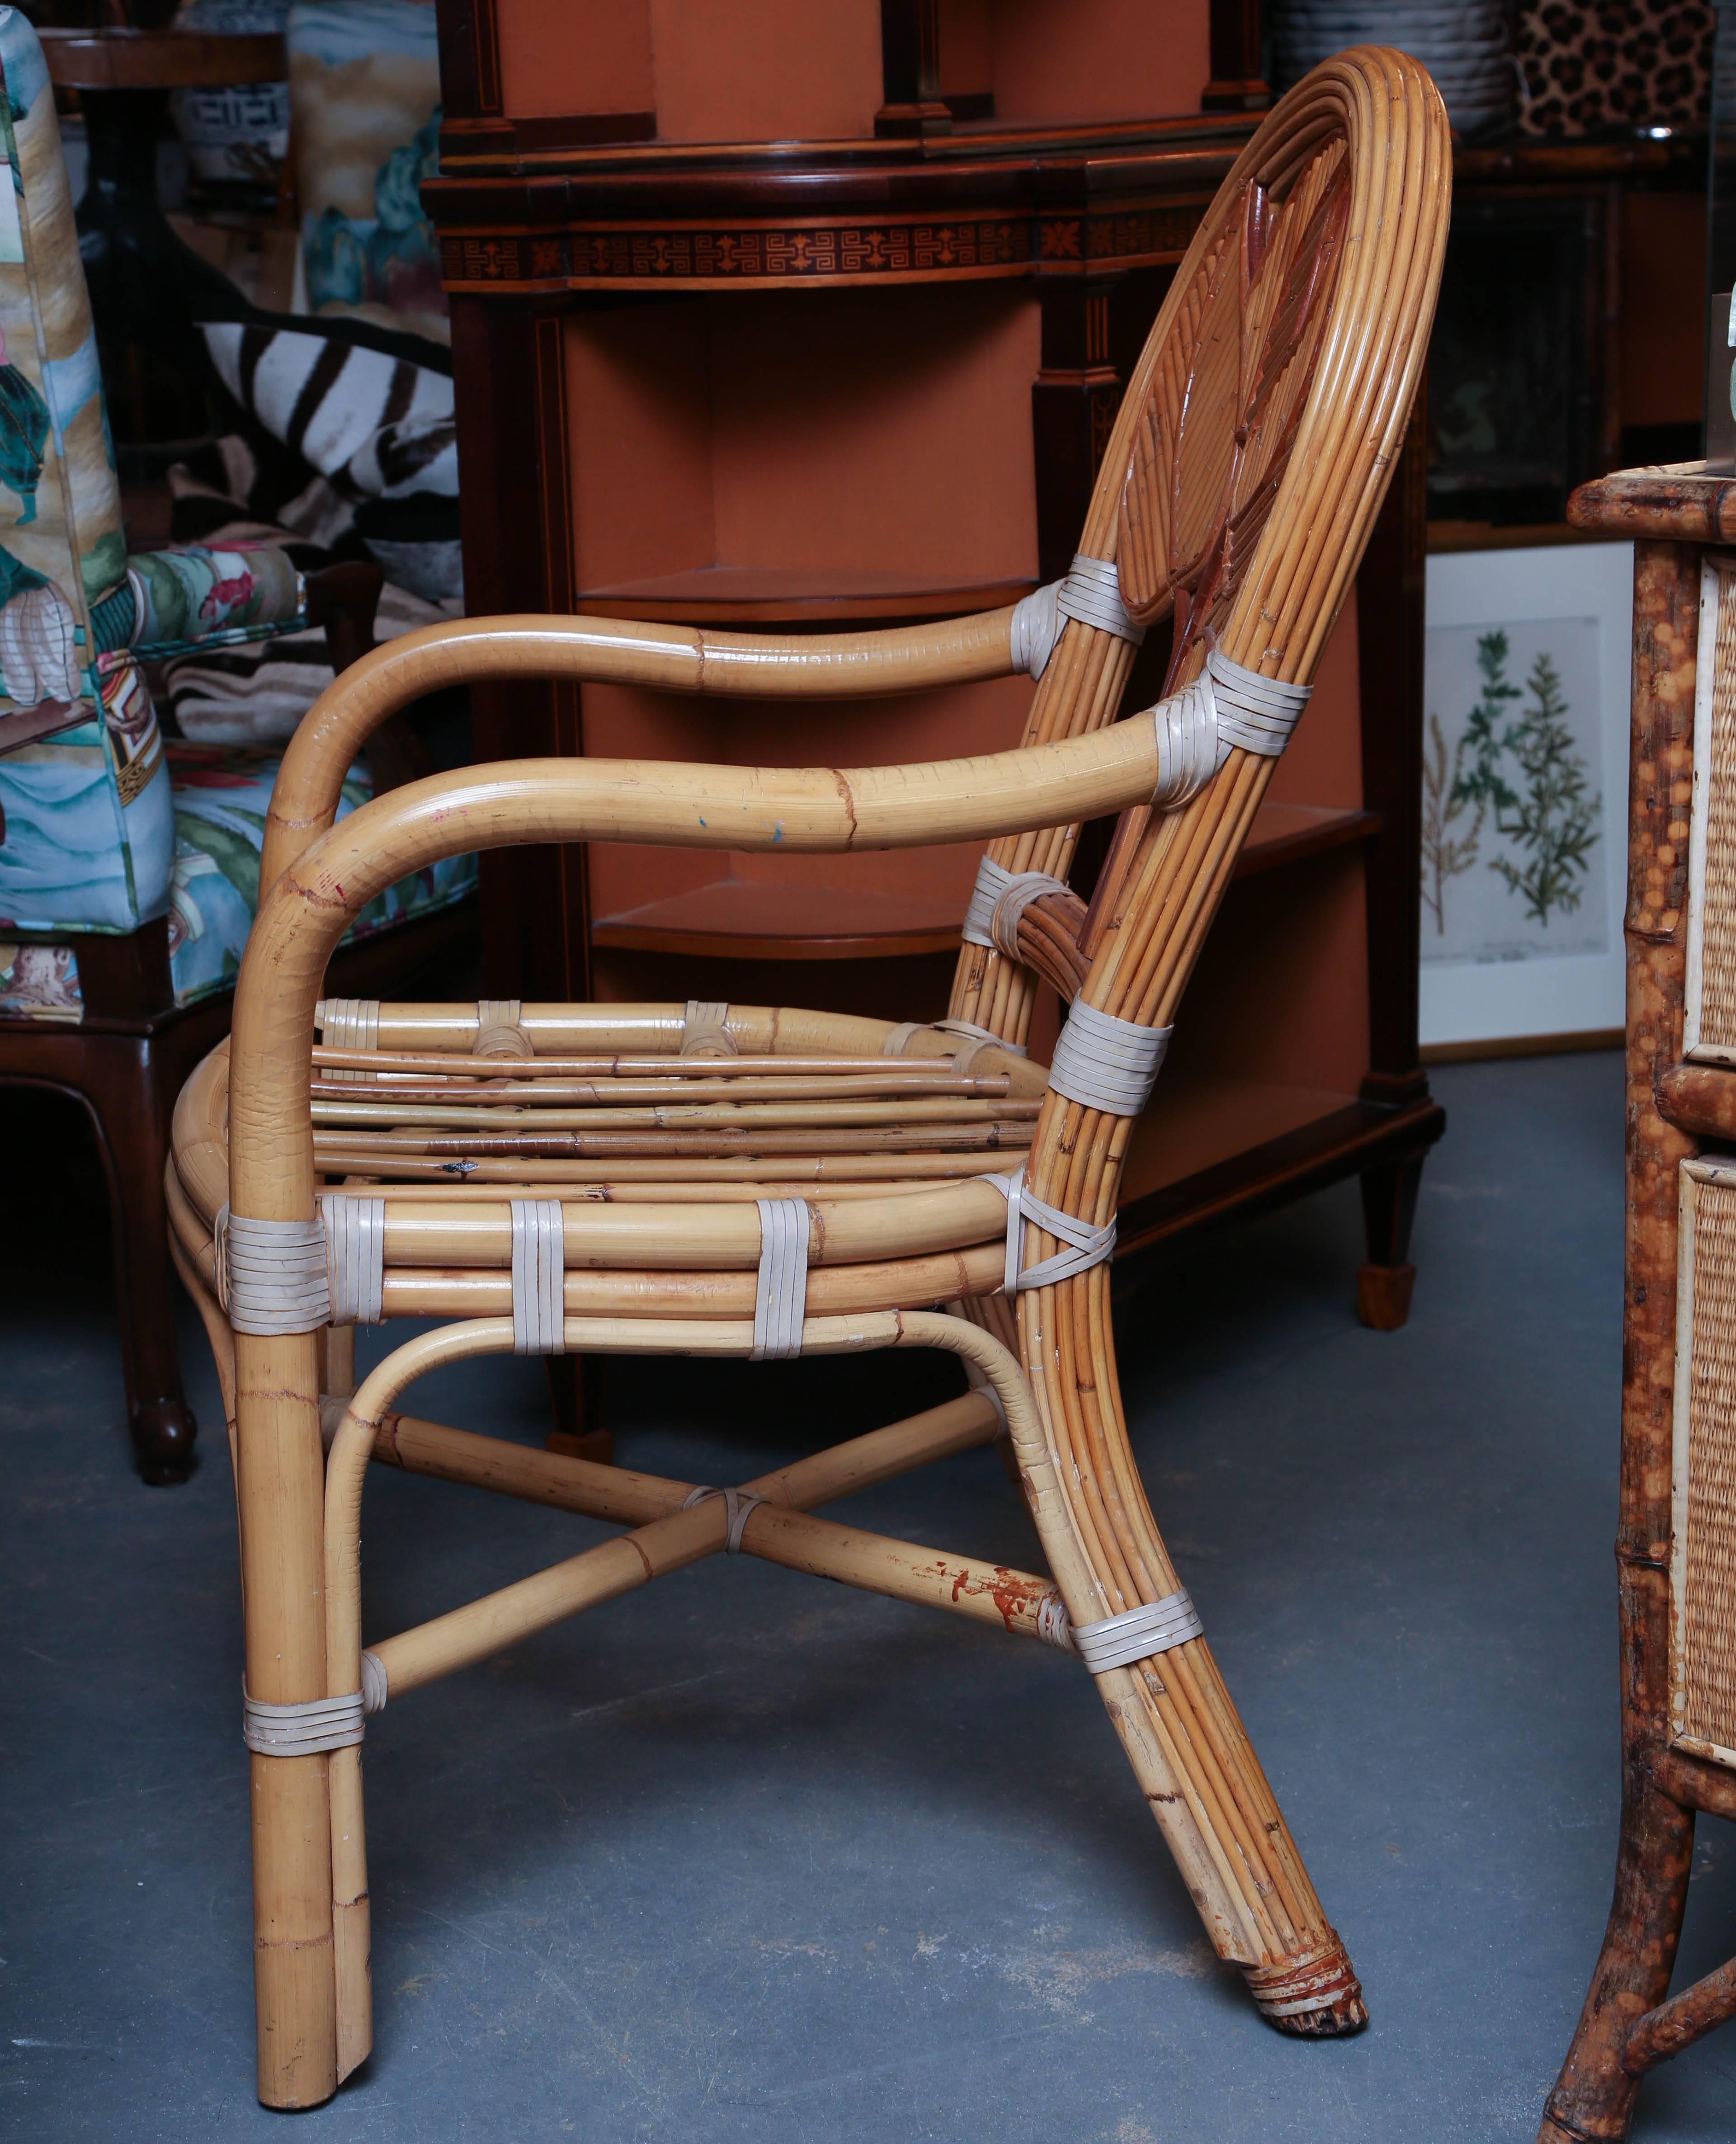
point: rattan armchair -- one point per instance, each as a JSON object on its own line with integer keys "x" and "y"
{"x": 745, "y": 1180}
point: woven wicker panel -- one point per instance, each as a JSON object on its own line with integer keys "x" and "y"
{"x": 1716, "y": 897}
{"x": 1706, "y": 1566}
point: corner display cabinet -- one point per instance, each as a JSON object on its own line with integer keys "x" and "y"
{"x": 1676, "y": 1541}
{"x": 769, "y": 317}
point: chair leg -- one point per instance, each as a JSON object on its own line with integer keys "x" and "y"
{"x": 1389, "y": 1206}
{"x": 1177, "y": 1722}
{"x": 282, "y": 1494}
{"x": 121, "y": 1088}
{"x": 1593, "y": 2100}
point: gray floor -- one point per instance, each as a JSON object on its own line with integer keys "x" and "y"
{"x": 746, "y": 1856}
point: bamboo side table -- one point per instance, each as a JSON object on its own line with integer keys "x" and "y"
{"x": 1676, "y": 1540}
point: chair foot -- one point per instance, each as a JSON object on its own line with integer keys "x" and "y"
{"x": 1383, "y": 1296}
{"x": 162, "y": 1437}
{"x": 1314, "y": 1993}
{"x": 1567, "y": 2132}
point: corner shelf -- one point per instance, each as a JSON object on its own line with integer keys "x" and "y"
{"x": 750, "y": 596}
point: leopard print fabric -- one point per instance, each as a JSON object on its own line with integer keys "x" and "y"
{"x": 1596, "y": 68}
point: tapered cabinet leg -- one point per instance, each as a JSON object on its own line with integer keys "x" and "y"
{"x": 575, "y": 1391}
{"x": 1389, "y": 1207}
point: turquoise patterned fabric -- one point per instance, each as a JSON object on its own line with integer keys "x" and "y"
{"x": 90, "y": 838}
{"x": 105, "y": 829}
{"x": 221, "y": 793}
{"x": 191, "y": 596}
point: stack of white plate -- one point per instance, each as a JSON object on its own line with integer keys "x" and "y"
{"x": 1464, "y": 44}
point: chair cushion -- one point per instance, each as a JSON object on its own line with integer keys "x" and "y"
{"x": 222, "y": 794}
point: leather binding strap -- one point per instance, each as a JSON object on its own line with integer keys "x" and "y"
{"x": 1085, "y": 1245}
{"x": 271, "y": 1275}
{"x": 738, "y": 1502}
{"x": 781, "y": 1290}
{"x": 992, "y": 880}
{"x": 348, "y": 1023}
{"x": 301, "y": 1730}
{"x": 705, "y": 1030}
{"x": 1090, "y": 592}
{"x": 1105, "y": 1063}
{"x": 373, "y": 1683}
{"x": 356, "y": 1257}
{"x": 976, "y": 1040}
{"x": 985, "y": 1036}
{"x": 1255, "y": 714}
{"x": 539, "y": 1273}
{"x": 1009, "y": 909}
{"x": 1226, "y": 708}
{"x": 1136, "y": 1634}
{"x": 499, "y": 1028}
{"x": 998, "y": 900}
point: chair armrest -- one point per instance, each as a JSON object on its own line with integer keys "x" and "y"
{"x": 807, "y": 811}
{"x": 671, "y": 658}
{"x": 190, "y": 595}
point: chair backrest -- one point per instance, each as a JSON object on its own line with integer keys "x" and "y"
{"x": 1242, "y": 476}
{"x": 90, "y": 833}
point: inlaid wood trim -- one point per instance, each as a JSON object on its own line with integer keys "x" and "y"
{"x": 501, "y": 262}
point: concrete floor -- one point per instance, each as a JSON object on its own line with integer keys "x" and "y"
{"x": 746, "y": 1856}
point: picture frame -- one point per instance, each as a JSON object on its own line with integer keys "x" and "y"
{"x": 1526, "y": 715}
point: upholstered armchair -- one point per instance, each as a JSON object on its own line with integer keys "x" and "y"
{"x": 129, "y": 864}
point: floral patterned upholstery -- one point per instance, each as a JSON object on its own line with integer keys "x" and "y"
{"x": 102, "y": 831}
{"x": 221, "y": 795}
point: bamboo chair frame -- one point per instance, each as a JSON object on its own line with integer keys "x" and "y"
{"x": 1253, "y": 524}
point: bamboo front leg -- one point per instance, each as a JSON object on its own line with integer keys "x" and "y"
{"x": 351, "y": 1921}
{"x": 281, "y": 1489}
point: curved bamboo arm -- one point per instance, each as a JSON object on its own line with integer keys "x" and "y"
{"x": 675, "y": 659}
{"x": 801, "y": 809}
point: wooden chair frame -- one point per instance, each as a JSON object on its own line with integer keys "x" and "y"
{"x": 1278, "y": 523}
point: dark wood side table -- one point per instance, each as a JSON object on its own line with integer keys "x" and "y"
{"x": 1675, "y": 1548}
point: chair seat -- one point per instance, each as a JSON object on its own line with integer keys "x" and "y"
{"x": 657, "y": 1154}
{"x": 222, "y": 794}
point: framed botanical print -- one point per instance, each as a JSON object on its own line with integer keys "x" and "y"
{"x": 1525, "y": 796}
